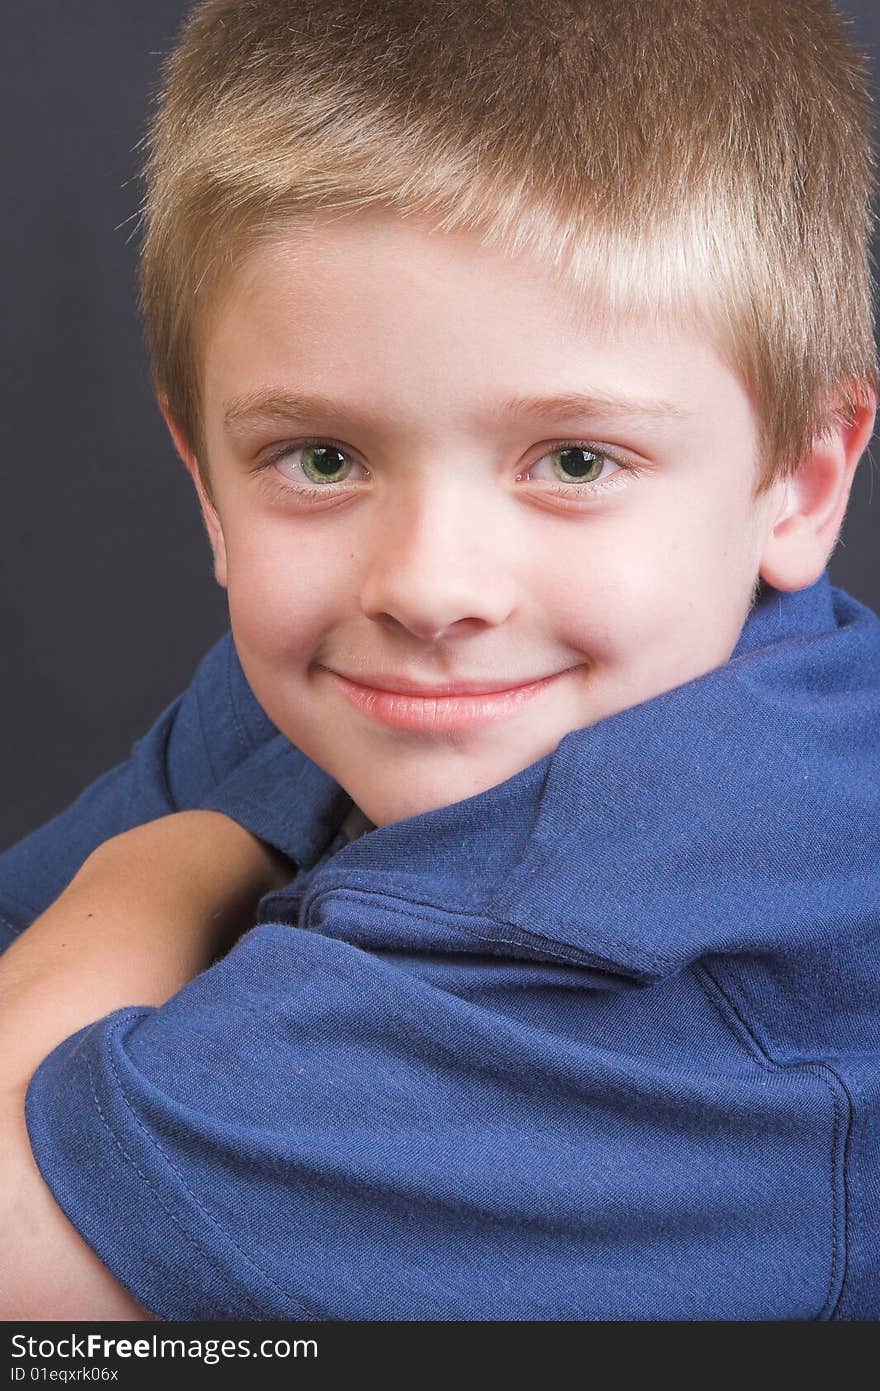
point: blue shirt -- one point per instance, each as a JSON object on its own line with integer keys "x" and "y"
{"x": 600, "y": 1042}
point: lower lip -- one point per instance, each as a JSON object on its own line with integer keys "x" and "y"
{"x": 439, "y": 714}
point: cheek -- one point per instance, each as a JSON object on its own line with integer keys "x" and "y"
{"x": 617, "y": 592}
{"x": 282, "y": 594}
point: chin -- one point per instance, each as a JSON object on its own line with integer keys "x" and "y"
{"x": 386, "y": 805}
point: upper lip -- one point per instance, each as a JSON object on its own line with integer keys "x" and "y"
{"x": 401, "y": 685}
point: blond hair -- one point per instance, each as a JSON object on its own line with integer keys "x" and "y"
{"x": 703, "y": 160}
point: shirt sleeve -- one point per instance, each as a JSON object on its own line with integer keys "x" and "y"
{"x": 312, "y": 1131}
{"x": 196, "y": 742}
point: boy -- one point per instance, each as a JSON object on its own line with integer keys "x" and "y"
{"x": 490, "y": 932}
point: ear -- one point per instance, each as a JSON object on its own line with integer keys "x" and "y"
{"x": 808, "y": 520}
{"x": 209, "y": 512}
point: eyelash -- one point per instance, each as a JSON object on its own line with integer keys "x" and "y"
{"x": 571, "y": 491}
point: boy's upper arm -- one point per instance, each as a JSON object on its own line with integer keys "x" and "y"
{"x": 197, "y": 740}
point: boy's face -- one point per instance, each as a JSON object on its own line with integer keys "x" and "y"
{"x": 446, "y": 538}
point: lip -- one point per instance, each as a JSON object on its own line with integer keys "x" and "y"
{"x": 458, "y": 705}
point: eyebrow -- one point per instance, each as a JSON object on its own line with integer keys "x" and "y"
{"x": 269, "y": 406}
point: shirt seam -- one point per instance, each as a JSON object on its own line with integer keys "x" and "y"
{"x": 518, "y": 887}
{"x": 14, "y": 928}
{"x": 409, "y": 908}
{"x": 184, "y": 1231}
{"x": 12, "y": 905}
{"x": 734, "y": 1016}
{"x": 304, "y": 1310}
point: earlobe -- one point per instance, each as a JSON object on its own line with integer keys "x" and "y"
{"x": 210, "y": 517}
{"x": 804, "y": 529}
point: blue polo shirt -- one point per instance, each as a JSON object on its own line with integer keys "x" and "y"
{"x": 600, "y": 1042}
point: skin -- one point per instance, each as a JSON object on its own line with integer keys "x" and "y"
{"x": 443, "y": 553}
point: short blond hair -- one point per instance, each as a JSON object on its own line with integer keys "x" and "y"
{"x": 703, "y": 160}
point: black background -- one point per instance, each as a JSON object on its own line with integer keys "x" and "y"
{"x": 107, "y": 597}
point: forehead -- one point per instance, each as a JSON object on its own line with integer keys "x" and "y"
{"x": 396, "y": 257}
{"x": 593, "y": 279}
{"x": 338, "y": 304}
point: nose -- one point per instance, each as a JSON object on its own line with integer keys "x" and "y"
{"x": 439, "y": 562}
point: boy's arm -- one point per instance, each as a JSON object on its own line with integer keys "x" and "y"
{"x": 146, "y": 913}
{"x": 199, "y": 740}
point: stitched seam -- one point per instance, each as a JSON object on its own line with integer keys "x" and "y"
{"x": 403, "y": 908}
{"x": 842, "y": 1117}
{"x": 13, "y": 927}
{"x": 185, "y": 1233}
{"x": 14, "y": 904}
{"x": 848, "y": 1146}
{"x": 406, "y": 911}
{"x": 653, "y": 961}
{"x": 155, "y": 1143}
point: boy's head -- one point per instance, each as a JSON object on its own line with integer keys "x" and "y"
{"x": 419, "y": 211}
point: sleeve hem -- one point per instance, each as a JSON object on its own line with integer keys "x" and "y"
{"x": 114, "y": 1183}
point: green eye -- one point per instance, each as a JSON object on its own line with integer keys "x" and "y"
{"x": 580, "y": 465}
{"x": 323, "y": 463}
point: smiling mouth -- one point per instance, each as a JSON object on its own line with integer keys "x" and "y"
{"x": 401, "y": 685}
{"x": 440, "y": 710}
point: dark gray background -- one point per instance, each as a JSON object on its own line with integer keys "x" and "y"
{"x": 107, "y": 598}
